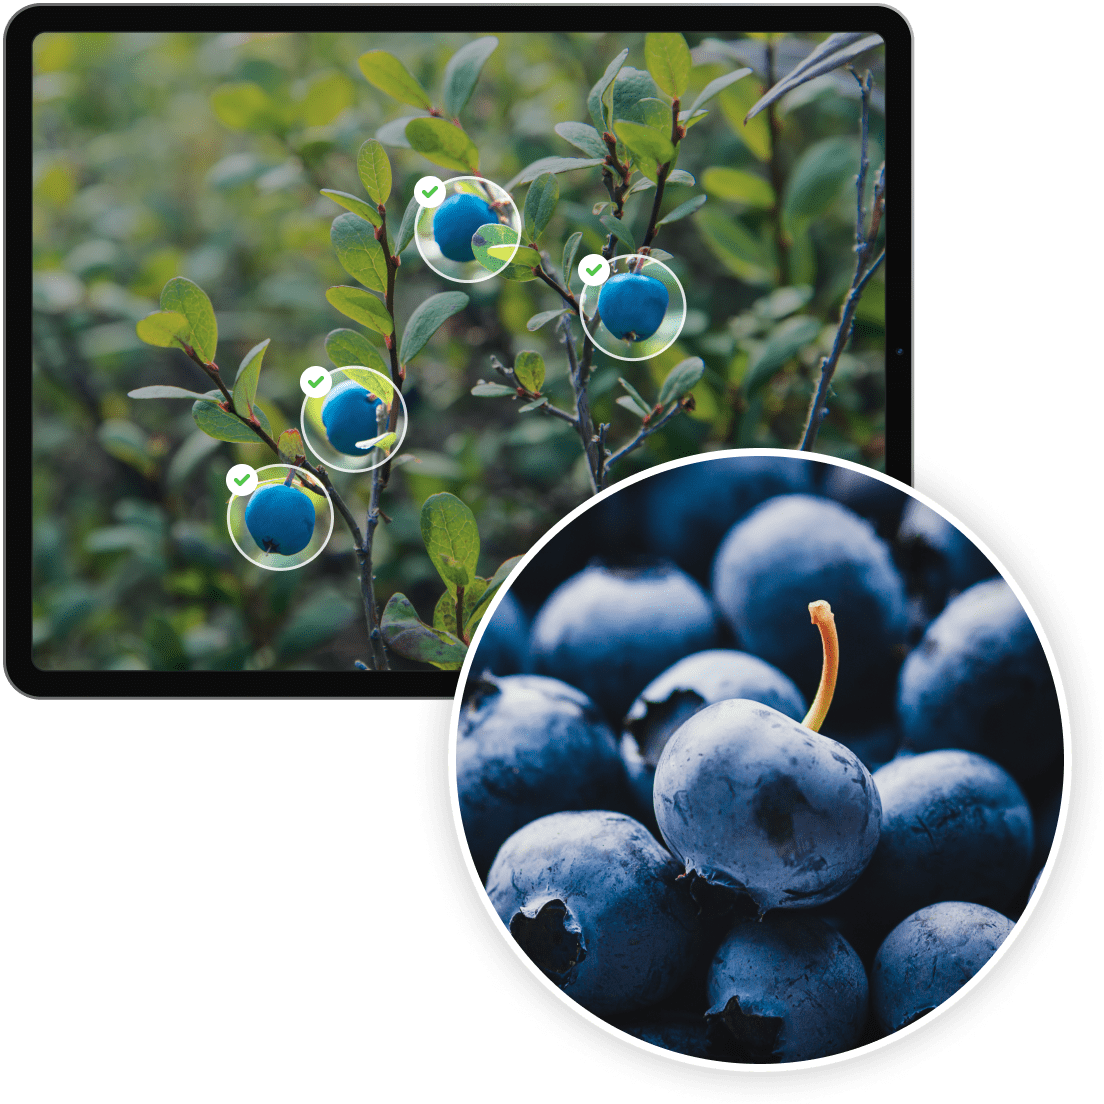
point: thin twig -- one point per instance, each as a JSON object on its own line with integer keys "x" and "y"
{"x": 565, "y": 295}
{"x": 584, "y": 425}
{"x": 645, "y": 432}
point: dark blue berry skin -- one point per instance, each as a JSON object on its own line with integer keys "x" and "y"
{"x": 868, "y": 497}
{"x": 610, "y": 631}
{"x": 955, "y": 827}
{"x": 789, "y": 989}
{"x": 280, "y": 519}
{"x": 748, "y": 798}
{"x": 504, "y": 646}
{"x": 633, "y": 303}
{"x": 592, "y": 899}
{"x": 929, "y": 956}
{"x": 795, "y": 549}
{"x": 456, "y": 221}
{"x": 680, "y": 1031}
{"x": 349, "y": 415}
{"x": 687, "y": 688}
{"x": 979, "y": 680}
{"x": 528, "y": 746}
{"x": 688, "y": 510}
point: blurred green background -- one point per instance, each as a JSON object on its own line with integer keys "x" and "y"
{"x": 148, "y": 166}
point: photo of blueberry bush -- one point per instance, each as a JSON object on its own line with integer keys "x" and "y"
{"x": 215, "y": 213}
{"x": 759, "y": 759}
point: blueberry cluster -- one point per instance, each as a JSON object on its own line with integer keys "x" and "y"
{"x": 660, "y": 824}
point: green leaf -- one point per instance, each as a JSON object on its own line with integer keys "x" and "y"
{"x": 249, "y": 372}
{"x": 411, "y": 638}
{"x": 190, "y": 300}
{"x": 444, "y": 615}
{"x": 620, "y": 231}
{"x": 782, "y": 301}
{"x": 224, "y": 426}
{"x": 492, "y": 390}
{"x": 681, "y": 380}
{"x": 528, "y": 258}
{"x": 318, "y": 619}
{"x": 542, "y": 319}
{"x": 734, "y": 246}
{"x": 582, "y": 137}
{"x": 388, "y": 74}
{"x": 536, "y": 404}
{"x": 491, "y": 237}
{"x": 739, "y": 187}
{"x": 644, "y": 143}
{"x": 462, "y": 72}
{"x": 451, "y": 538}
{"x": 360, "y": 306}
{"x": 374, "y": 170}
{"x": 426, "y": 320}
{"x": 551, "y": 165}
{"x": 675, "y": 176}
{"x": 571, "y": 249}
{"x": 735, "y": 101}
{"x": 597, "y": 102}
{"x": 128, "y": 443}
{"x": 668, "y": 59}
{"x": 493, "y": 585}
{"x": 406, "y": 229}
{"x": 819, "y": 177}
{"x": 540, "y": 205}
{"x": 632, "y": 405}
{"x": 636, "y": 397}
{"x": 783, "y": 345}
{"x": 165, "y": 391}
{"x": 715, "y": 86}
{"x": 290, "y": 446}
{"x": 631, "y": 86}
{"x": 164, "y": 329}
{"x": 328, "y": 94}
{"x": 650, "y": 112}
{"x": 529, "y": 369}
{"x": 345, "y": 347}
{"x": 394, "y": 132}
{"x": 682, "y": 210}
{"x": 444, "y": 144}
{"x": 379, "y": 386}
{"x": 352, "y": 203}
{"x": 244, "y": 105}
{"x": 358, "y": 252}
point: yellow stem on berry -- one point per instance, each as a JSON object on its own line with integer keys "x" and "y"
{"x": 821, "y": 615}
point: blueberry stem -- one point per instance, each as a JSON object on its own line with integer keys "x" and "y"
{"x": 820, "y": 613}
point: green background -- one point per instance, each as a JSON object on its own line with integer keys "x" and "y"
{"x": 234, "y": 902}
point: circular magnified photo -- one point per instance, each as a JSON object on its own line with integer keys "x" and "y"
{"x": 285, "y": 523}
{"x": 348, "y": 429}
{"x": 637, "y": 312}
{"x": 758, "y": 759}
{"x": 473, "y": 234}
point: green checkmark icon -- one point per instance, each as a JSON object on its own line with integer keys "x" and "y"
{"x": 594, "y": 270}
{"x": 315, "y": 383}
{"x": 242, "y": 482}
{"x": 427, "y": 194}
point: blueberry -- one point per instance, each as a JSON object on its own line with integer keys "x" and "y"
{"x": 280, "y": 519}
{"x": 748, "y": 798}
{"x": 677, "y": 1030}
{"x": 610, "y": 631}
{"x": 870, "y": 498}
{"x": 504, "y": 646}
{"x": 685, "y": 689}
{"x": 633, "y": 305}
{"x": 528, "y": 746}
{"x": 955, "y": 827}
{"x": 979, "y": 680}
{"x": 592, "y": 899}
{"x": 788, "y": 988}
{"x": 930, "y": 956}
{"x": 456, "y": 221}
{"x": 688, "y": 510}
{"x": 349, "y": 415}
{"x": 795, "y": 547}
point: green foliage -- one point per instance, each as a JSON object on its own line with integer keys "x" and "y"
{"x": 358, "y": 252}
{"x": 345, "y": 347}
{"x": 184, "y": 297}
{"x": 426, "y": 320}
{"x": 462, "y": 71}
{"x": 352, "y": 203}
{"x": 529, "y": 369}
{"x": 389, "y": 75}
{"x": 249, "y": 375}
{"x": 374, "y": 170}
{"x": 357, "y": 304}
{"x": 668, "y": 59}
{"x": 437, "y": 140}
{"x": 540, "y": 206}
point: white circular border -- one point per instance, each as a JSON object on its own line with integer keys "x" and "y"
{"x": 486, "y": 183}
{"x": 617, "y": 356}
{"x": 245, "y": 498}
{"x": 370, "y": 467}
{"x": 739, "y": 1068}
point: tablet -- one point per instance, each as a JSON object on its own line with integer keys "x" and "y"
{"x": 335, "y": 312}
